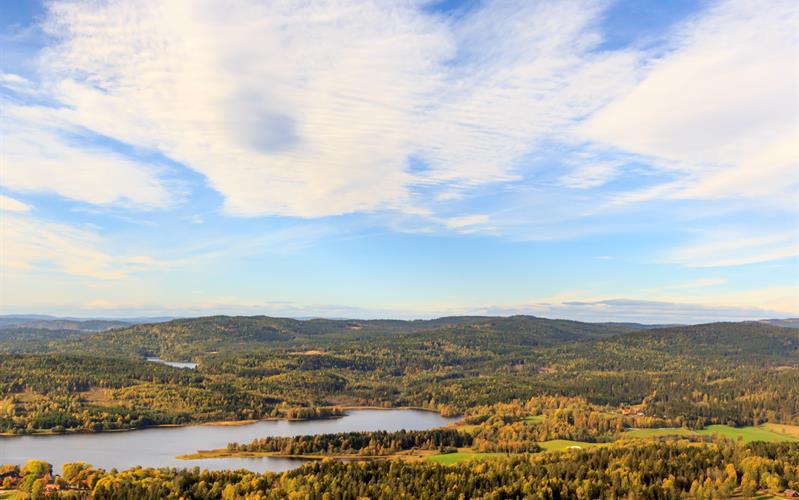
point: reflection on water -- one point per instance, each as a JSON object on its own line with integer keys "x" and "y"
{"x": 158, "y": 447}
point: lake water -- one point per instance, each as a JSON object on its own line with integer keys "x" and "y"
{"x": 158, "y": 446}
{"x": 175, "y": 364}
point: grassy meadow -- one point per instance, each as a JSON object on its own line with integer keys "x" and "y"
{"x": 766, "y": 432}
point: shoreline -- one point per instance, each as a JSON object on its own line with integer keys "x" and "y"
{"x": 217, "y": 423}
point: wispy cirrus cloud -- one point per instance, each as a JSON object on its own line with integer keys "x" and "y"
{"x": 320, "y": 109}
{"x": 316, "y": 109}
{"x": 43, "y": 152}
{"x": 289, "y": 109}
{"x": 655, "y": 311}
{"x": 718, "y": 110}
{"x": 32, "y": 244}
{"x": 735, "y": 248}
{"x": 9, "y": 204}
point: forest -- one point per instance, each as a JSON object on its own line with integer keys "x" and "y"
{"x": 547, "y": 408}
{"x": 259, "y": 367}
{"x": 358, "y": 443}
{"x": 646, "y": 470}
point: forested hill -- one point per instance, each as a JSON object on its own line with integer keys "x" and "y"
{"x": 744, "y": 340}
{"x": 187, "y": 338}
{"x": 252, "y": 367}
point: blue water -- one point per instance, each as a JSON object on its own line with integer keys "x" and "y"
{"x": 159, "y": 446}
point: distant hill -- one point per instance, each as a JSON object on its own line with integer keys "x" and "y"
{"x": 615, "y": 344}
{"x": 785, "y": 323}
{"x": 506, "y": 334}
{"x": 44, "y": 322}
{"x": 747, "y": 339}
{"x": 13, "y": 320}
{"x": 642, "y": 326}
{"x": 90, "y": 325}
{"x": 186, "y": 338}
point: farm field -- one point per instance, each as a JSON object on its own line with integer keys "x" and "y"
{"x": 565, "y": 444}
{"x": 553, "y": 445}
{"x": 791, "y": 430}
{"x": 454, "y": 458}
{"x": 767, "y": 432}
{"x": 658, "y": 432}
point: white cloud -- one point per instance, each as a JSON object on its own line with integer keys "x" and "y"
{"x": 719, "y": 110}
{"x": 11, "y": 205}
{"x": 698, "y": 283}
{"x": 13, "y": 79}
{"x": 38, "y": 157}
{"x": 526, "y": 73}
{"x": 29, "y": 245}
{"x": 780, "y": 300}
{"x": 465, "y": 221}
{"x": 591, "y": 174}
{"x": 689, "y": 306}
{"x": 771, "y": 173}
{"x": 655, "y": 311}
{"x": 16, "y": 83}
{"x": 734, "y": 248}
{"x": 286, "y": 108}
{"x": 315, "y": 109}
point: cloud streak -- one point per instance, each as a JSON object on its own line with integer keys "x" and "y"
{"x": 30, "y": 244}
{"x": 9, "y": 204}
{"x": 719, "y": 109}
{"x": 44, "y": 153}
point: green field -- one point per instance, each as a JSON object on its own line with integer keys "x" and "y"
{"x": 564, "y": 444}
{"x": 534, "y": 419}
{"x": 453, "y": 458}
{"x": 554, "y": 445}
{"x": 662, "y": 431}
{"x": 747, "y": 434}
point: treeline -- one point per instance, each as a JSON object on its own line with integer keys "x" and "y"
{"x": 305, "y": 413}
{"x": 652, "y": 470}
{"x": 360, "y": 443}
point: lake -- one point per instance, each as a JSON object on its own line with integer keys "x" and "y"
{"x": 158, "y": 446}
{"x": 174, "y": 364}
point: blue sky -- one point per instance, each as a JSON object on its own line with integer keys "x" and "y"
{"x": 595, "y": 160}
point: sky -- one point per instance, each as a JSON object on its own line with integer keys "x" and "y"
{"x": 625, "y": 160}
